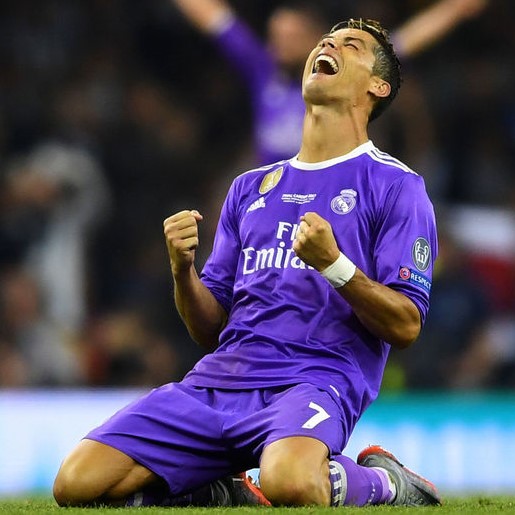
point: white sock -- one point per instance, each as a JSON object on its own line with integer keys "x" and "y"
{"x": 338, "y": 478}
{"x": 391, "y": 485}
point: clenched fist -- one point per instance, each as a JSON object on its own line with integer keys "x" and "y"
{"x": 181, "y": 233}
{"x": 314, "y": 242}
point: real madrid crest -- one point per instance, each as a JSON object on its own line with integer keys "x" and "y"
{"x": 270, "y": 180}
{"x": 345, "y": 202}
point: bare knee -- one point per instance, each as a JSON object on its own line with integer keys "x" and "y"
{"x": 67, "y": 492}
{"x": 71, "y": 488}
{"x": 283, "y": 486}
{"x": 77, "y": 482}
{"x": 286, "y": 479}
{"x": 95, "y": 472}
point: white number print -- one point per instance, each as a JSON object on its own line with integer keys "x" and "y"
{"x": 320, "y": 415}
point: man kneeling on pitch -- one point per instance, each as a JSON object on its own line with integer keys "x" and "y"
{"x": 320, "y": 264}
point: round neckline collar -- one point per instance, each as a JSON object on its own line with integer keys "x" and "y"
{"x": 361, "y": 149}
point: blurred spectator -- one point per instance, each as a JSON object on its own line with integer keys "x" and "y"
{"x": 40, "y": 350}
{"x": 152, "y": 164}
{"x": 121, "y": 349}
{"x": 53, "y": 198}
{"x": 459, "y": 311}
{"x": 417, "y": 138}
{"x": 468, "y": 341}
{"x": 160, "y": 114}
{"x": 13, "y": 366}
{"x": 487, "y": 235}
{"x": 272, "y": 70}
{"x": 489, "y": 362}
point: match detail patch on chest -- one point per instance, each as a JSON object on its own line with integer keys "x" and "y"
{"x": 298, "y": 198}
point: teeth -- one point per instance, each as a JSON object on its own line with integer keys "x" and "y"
{"x": 328, "y": 59}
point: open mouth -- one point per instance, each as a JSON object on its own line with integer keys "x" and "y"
{"x": 325, "y": 64}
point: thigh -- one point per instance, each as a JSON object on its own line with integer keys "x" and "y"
{"x": 174, "y": 432}
{"x": 299, "y": 411}
{"x": 94, "y": 471}
{"x": 305, "y": 410}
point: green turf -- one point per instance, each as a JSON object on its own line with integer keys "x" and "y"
{"x": 470, "y": 505}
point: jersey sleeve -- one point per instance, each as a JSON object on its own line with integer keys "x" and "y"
{"x": 245, "y": 52}
{"x": 406, "y": 244}
{"x": 218, "y": 273}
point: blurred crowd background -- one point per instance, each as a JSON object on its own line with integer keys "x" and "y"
{"x": 114, "y": 114}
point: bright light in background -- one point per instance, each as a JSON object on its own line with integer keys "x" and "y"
{"x": 39, "y": 428}
{"x": 463, "y": 443}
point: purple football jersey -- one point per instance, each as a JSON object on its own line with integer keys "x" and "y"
{"x": 286, "y": 323}
{"x": 277, "y": 104}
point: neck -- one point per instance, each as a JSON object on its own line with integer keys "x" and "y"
{"x": 328, "y": 133}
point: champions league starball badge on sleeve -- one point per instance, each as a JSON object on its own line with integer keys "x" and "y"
{"x": 421, "y": 254}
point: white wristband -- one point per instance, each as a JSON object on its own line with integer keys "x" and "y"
{"x": 340, "y": 272}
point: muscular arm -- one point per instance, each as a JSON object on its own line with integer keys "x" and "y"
{"x": 203, "y": 316}
{"x": 386, "y": 313}
{"x": 205, "y": 15}
{"x": 430, "y": 25}
{"x": 198, "y": 308}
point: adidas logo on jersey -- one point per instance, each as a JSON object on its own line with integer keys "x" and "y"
{"x": 260, "y": 202}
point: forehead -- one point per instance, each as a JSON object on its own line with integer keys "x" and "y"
{"x": 363, "y": 35}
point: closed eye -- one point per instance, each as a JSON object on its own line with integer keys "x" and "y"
{"x": 355, "y": 43}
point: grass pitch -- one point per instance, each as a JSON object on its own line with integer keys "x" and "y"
{"x": 470, "y": 505}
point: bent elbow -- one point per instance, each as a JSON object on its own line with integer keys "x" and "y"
{"x": 406, "y": 337}
{"x": 207, "y": 342}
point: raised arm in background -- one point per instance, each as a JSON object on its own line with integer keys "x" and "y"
{"x": 418, "y": 33}
{"x": 205, "y": 15}
{"x": 432, "y": 24}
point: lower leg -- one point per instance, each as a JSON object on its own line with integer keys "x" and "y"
{"x": 352, "y": 484}
{"x": 213, "y": 494}
{"x": 230, "y": 491}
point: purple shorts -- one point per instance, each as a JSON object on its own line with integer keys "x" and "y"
{"x": 191, "y": 436}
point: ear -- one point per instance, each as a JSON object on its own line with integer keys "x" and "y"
{"x": 379, "y": 87}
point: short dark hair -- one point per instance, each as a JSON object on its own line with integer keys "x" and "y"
{"x": 387, "y": 65}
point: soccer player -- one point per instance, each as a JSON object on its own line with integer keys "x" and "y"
{"x": 272, "y": 70}
{"x": 320, "y": 264}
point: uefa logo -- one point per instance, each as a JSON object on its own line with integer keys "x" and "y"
{"x": 345, "y": 202}
{"x": 404, "y": 273}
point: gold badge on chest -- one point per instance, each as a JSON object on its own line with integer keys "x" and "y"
{"x": 270, "y": 180}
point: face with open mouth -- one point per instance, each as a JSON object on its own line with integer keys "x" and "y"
{"x": 341, "y": 62}
{"x": 325, "y": 64}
